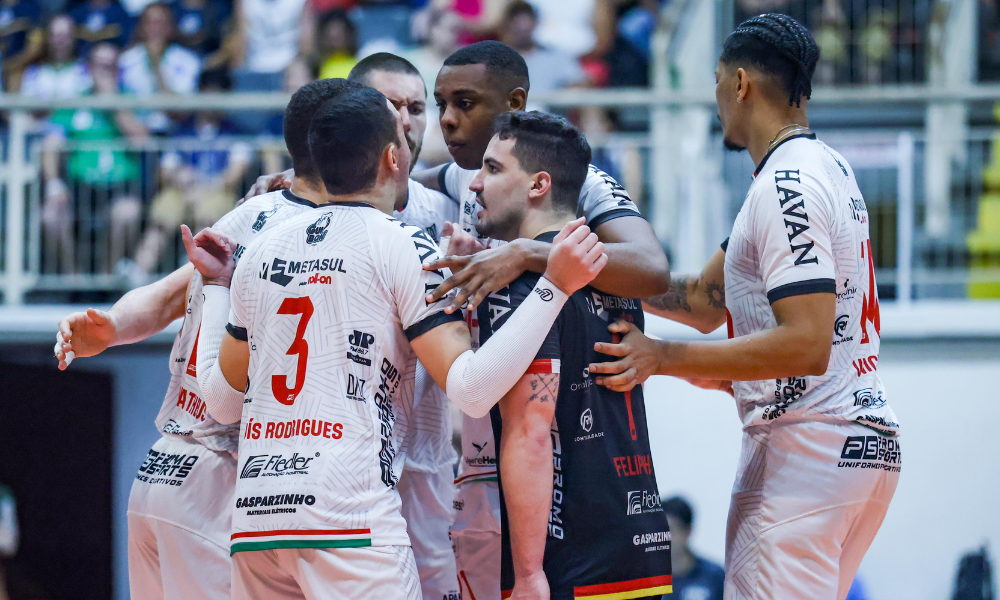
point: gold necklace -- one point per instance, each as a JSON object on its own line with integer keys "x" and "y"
{"x": 792, "y": 129}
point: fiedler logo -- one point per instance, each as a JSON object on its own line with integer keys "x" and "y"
{"x": 360, "y": 347}
{"x": 587, "y": 420}
{"x": 266, "y": 465}
{"x": 316, "y": 232}
{"x": 641, "y": 501}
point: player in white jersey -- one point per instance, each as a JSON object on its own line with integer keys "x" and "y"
{"x": 336, "y": 421}
{"x": 821, "y": 455}
{"x": 426, "y": 487}
{"x": 179, "y": 511}
{"x": 477, "y": 83}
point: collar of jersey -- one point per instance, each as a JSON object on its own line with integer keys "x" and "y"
{"x": 547, "y": 237}
{"x": 293, "y": 198}
{"x": 760, "y": 167}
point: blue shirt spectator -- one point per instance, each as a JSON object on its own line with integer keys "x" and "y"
{"x": 201, "y": 24}
{"x": 101, "y": 21}
{"x": 694, "y": 578}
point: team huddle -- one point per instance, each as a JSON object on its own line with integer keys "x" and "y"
{"x": 331, "y": 323}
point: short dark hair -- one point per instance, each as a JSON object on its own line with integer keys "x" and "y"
{"x": 299, "y": 115}
{"x": 679, "y": 507}
{"x": 502, "y": 62}
{"x": 340, "y": 16}
{"x": 550, "y": 143}
{"x": 519, "y": 7}
{"x": 777, "y": 45}
{"x": 347, "y": 137}
{"x": 215, "y": 78}
{"x": 381, "y": 61}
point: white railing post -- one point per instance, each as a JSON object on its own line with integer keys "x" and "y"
{"x": 16, "y": 174}
{"x": 904, "y": 219}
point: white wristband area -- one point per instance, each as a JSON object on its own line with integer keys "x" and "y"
{"x": 477, "y": 380}
{"x": 224, "y": 404}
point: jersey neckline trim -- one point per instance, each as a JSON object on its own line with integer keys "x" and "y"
{"x": 760, "y": 167}
{"x": 546, "y": 237}
{"x": 296, "y": 199}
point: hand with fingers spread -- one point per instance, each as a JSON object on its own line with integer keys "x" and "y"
{"x": 639, "y": 358}
{"x": 83, "y": 334}
{"x": 576, "y": 257}
{"x": 211, "y": 252}
{"x": 475, "y": 276}
{"x": 269, "y": 183}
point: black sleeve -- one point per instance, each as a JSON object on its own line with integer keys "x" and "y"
{"x": 239, "y": 333}
{"x": 725, "y": 245}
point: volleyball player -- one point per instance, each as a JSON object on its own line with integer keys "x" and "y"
{"x": 821, "y": 455}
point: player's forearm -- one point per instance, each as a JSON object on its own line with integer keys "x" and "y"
{"x": 632, "y": 270}
{"x": 147, "y": 310}
{"x": 692, "y": 302}
{"x": 772, "y": 354}
{"x": 526, "y": 469}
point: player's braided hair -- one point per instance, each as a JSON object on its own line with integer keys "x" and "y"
{"x": 779, "y": 45}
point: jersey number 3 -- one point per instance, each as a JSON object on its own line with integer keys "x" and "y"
{"x": 279, "y": 383}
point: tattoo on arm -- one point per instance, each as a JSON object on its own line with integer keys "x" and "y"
{"x": 716, "y": 295}
{"x": 544, "y": 387}
{"x": 676, "y": 298}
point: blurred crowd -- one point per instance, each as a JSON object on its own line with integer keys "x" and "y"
{"x": 96, "y": 186}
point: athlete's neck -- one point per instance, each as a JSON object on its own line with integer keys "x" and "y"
{"x": 537, "y": 222}
{"x": 312, "y": 191}
{"x": 771, "y": 122}
{"x": 382, "y": 197}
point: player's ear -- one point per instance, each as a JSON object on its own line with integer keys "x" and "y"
{"x": 742, "y": 84}
{"x": 390, "y": 157}
{"x": 517, "y": 99}
{"x": 541, "y": 183}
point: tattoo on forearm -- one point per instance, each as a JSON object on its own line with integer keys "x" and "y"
{"x": 716, "y": 295}
{"x": 544, "y": 387}
{"x": 675, "y": 299}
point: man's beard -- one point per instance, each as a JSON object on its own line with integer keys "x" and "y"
{"x": 732, "y": 146}
{"x": 415, "y": 148}
{"x": 503, "y": 227}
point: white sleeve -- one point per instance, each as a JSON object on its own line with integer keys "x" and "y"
{"x": 603, "y": 199}
{"x": 409, "y": 283}
{"x": 224, "y": 403}
{"x": 790, "y": 224}
{"x": 478, "y": 380}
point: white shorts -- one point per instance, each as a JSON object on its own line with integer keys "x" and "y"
{"x": 807, "y": 503}
{"x": 428, "y": 507}
{"x": 179, "y": 521}
{"x": 378, "y": 573}
{"x": 475, "y": 536}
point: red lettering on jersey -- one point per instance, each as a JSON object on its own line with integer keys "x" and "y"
{"x": 638, "y": 464}
{"x": 729, "y": 324}
{"x": 865, "y": 365}
{"x": 192, "y": 366}
{"x": 869, "y": 301}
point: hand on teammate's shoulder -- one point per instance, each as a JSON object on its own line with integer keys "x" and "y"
{"x": 576, "y": 257}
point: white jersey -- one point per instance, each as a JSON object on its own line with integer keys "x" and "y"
{"x": 328, "y": 303}
{"x": 803, "y": 229}
{"x": 601, "y": 200}
{"x": 428, "y": 445}
{"x": 183, "y": 413}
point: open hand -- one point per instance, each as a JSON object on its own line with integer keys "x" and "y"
{"x": 476, "y": 275}
{"x": 211, "y": 252}
{"x": 576, "y": 257}
{"x": 269, "y": 183}
{"x": 639, "y": 358}
{"x": 83, "y": 334}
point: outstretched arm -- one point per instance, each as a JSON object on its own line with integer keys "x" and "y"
{"x": 526, "y": 469}
{"x": 636, "y": 267}
{"x": 698, "y": 301}
{"x": 139, "y": 314}
{"x": 800, "y": 345}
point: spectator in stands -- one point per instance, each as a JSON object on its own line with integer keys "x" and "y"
{"x": 439, "y": 28}
{"x": 694, "y": 578}
{"x": 270, "y": 34}
{"x": 22, "y": 39}
{"x": 101, "y": 21}
{"x": 624, "y": 31}
{"x": 567, "y": 25}
{"x": 199, "y": 184}
{"x": 59, "y": 74}
{"x": 9, "y": 533}
{"x": 201, "y": 27}
{"x": 155, "y": 64}
{"x": 338, "y": 45}
{"x": 548, "y": 69}
{"x": 103, "y": 180}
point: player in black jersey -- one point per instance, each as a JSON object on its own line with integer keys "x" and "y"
{"x": 581, "y": 513}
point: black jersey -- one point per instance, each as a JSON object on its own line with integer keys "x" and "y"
{"x": 607, "y": 534}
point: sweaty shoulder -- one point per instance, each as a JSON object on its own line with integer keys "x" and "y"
{"x": 602, "y": 199}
